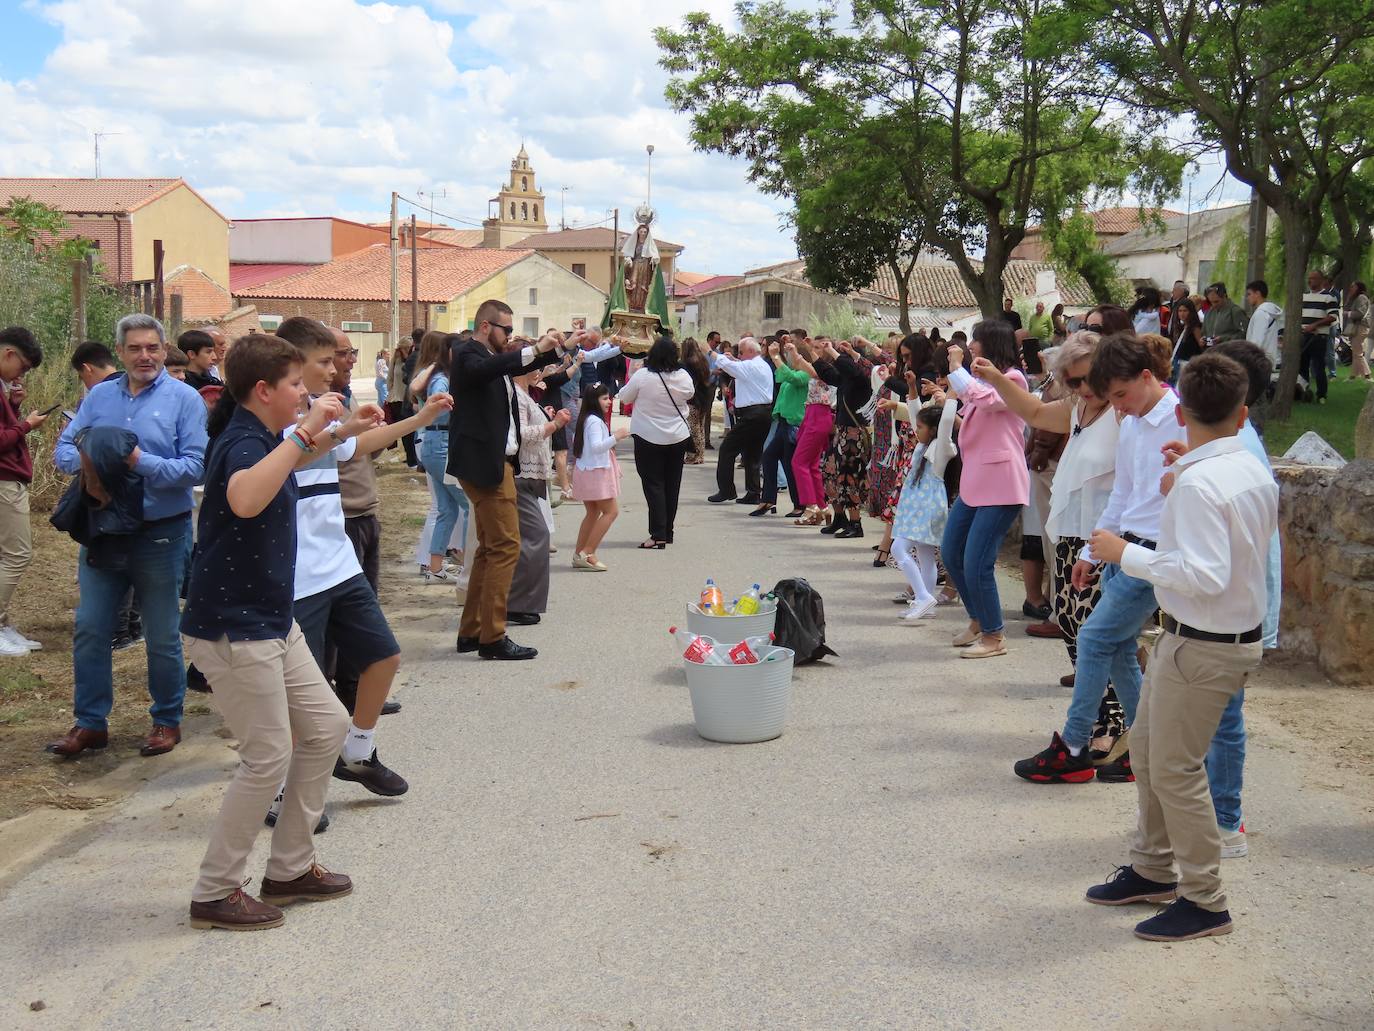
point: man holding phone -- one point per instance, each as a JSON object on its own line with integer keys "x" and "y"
{"x": 19, "y": 352}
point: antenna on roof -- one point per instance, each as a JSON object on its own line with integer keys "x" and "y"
{"x": 431, "y": 195}
{"x": 563, "y": 207}
{"x": 97, "y": 134}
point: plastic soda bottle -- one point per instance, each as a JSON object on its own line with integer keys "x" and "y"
{"x": 747, "y": 652}
{"x": 699, "y": 649}
{"x": 748, "y": 604}
{"x": 712, "y": 601}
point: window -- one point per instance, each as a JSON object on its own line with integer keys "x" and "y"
{"x": 529, "y": 326}
{"x": 440, "y": 309}
{"x": 525, "y": 211}
{"x": 536, "y": 212}
{"x": 270, "y": 322}
{"x": 579, "y": 269}
{"x": 512, "y": 211}
{"x": 1204, "y": 274}
{"x": 524, "y": 184}
{"x": 534, "y": 297}
{"x": 356, "y": 327}
{"x": 772, "y": 306}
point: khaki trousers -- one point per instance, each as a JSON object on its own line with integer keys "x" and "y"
{"x": 16, "y": 541}
{"x": 1187, "y": 687}
{"x": 268, "y": 692}
{"x": 498, "y": 550}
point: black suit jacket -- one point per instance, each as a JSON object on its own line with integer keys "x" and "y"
{"x": 482, "y": 410}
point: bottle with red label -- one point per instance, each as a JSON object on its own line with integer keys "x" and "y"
{"x": 747, "y": 652}
{"x": 699, "y": 648}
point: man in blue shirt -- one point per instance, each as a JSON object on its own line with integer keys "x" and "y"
{"x": 168, "y": 417}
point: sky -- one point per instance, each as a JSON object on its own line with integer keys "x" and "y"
{"x": 324, "y": 107}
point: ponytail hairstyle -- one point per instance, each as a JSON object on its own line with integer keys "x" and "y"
{"x": 591, "y": 405}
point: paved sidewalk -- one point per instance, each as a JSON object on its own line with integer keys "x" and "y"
{"x": 572, "y": 855}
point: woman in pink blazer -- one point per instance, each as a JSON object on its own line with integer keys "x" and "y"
{"x": 993, "y": 487}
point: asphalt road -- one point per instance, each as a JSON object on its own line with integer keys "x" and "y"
{"x": 572, "y": 855}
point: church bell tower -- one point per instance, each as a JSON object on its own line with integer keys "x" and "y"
{"x": 518, "y": 210}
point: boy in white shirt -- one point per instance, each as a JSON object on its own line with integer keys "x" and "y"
{"x": 1209, "y": 577}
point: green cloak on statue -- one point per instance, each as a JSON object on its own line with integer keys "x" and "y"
{"x": 657, "y": 303}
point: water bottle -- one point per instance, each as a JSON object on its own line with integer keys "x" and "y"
{"x": 699, "y": 649}
{"x": 746, "y": 653}
{"x": 748, "y": 605}
{"x": 712, "y": 601}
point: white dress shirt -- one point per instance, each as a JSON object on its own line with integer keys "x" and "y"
{"x": 512, "y": 440}
{"x": 753, "y": 379}
{"x": 1213, "y": 540}
{"x": 660, "y": 406}
{"x": 1136, "y": 503}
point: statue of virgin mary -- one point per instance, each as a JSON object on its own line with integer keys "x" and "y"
{"x": 641, "y": 259}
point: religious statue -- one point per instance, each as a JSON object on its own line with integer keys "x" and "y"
{"x": 641, "y": 260}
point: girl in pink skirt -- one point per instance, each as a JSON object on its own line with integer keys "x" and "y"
{"x": 596, "y": 476}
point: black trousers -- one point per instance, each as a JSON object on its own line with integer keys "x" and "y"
{"x": 781, "y": 445}
{"x": 660, "y": 474}
{"x": 1312, "y": 362}
{"x": 365, "y": 532}
{"x": 404, "y": 410}
{"x": 745, "y": 438}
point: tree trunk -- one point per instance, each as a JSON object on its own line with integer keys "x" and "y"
{"x": 1354, "y": 242}
{"x": 1297, "y": 249}
{"x": 903, "y": 298}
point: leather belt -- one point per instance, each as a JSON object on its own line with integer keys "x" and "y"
{"x": 1144, "y": 542}
{"x": 1173, "y": 626}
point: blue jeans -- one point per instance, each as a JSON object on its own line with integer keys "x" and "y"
{"x": 778, "y": 450}
{"x": 973, "y": 536}
{"x": 380, "y": 384}
{"x": 1106, "y": 652}
{"x": 448, "y": 497}
{"x": 1226, "y": 763}
{"x": 157, "y": 563}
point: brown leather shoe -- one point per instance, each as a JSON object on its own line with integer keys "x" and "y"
{"x": 1066, "y": 680}
{"x": 161, "y": 740}
{"x": 1045, "y": 629}
{"x": 315, "y": 885}
{"x": 77, "y": 740}
{"x": 238, "y": 911}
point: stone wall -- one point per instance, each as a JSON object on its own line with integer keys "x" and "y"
{"x": 1326, "y": 518}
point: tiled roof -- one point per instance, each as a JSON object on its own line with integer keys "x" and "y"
{"x": 455, "y": 237}
{"x": 1152, "y": 238}
{"x": 1111, "y": 221}
{"x": 92, "y": 196}
{"x": 703, "y": 286}
{"x": 444, "y": 273}
{"x": 595, "y": 239}
{"x": 933, "y": 284}
{"x": 246, "y": 275}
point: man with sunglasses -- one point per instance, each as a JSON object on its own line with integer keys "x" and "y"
{"x": 484, "y": 445}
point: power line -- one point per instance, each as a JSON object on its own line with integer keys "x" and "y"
{"x": 425, "y": 207}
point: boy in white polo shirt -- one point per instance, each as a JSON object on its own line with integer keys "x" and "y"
{"x": 1209, "y": 577}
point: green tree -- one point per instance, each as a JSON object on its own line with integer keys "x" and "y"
{"x": 35, "y": 223}
{"x": 1283, "y": 89}
{"x": 1074, "y": 251}
{"x": 980, "y": 108}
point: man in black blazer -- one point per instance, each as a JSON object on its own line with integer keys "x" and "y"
{"x": 483, "y": 444}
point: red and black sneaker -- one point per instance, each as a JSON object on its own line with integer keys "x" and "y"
{"x": 1118, "y": 771}
{"x": 1055, "y": 765}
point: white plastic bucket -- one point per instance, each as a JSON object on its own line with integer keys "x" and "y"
{"x": 731, "y": 630}
{"x": 741, "y": 704}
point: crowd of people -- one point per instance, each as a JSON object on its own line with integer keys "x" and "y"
{"x": 1104, "y": 435}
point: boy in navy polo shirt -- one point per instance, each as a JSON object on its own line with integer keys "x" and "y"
{"x": 238, "y": 630}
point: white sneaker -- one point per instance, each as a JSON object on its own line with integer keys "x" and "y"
{"x": 13, "y": 636}
{"x": 10, "y": 649}
{"x": 902, "y": 598}
{"x": 1233, "y": 844}
{"x": 918, "y": 611}
{"x": 441, "y": 577}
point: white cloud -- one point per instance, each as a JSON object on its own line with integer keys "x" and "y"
{"x": 322, "y": 106}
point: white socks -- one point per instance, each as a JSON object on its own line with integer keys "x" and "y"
{"x": 357, "y": 745}
{"x": 1075, "y": 752}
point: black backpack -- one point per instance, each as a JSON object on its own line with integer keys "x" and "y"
{"x": 800, "y": 623}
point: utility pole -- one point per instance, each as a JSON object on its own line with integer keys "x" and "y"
{"x": 415, "y": 278}
{"x": 159, "y": 256}
{"x": 80, "y": 277}
{"x": 395, "y": 283}
{"x": 615, "y": 253}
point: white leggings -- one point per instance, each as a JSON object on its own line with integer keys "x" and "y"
{"x": 918, "y": 568}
